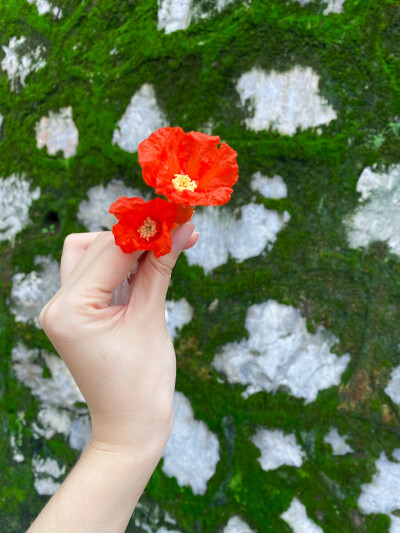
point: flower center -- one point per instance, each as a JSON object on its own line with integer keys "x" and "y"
{"x": 148, "y": 229}
{"x": 182, "y": 182}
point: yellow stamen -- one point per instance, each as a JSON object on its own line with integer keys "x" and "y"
{"x": 182, "y": 182}
{"x": 148, "y": 229}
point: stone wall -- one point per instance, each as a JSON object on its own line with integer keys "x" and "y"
{"x": 284, "y": 316}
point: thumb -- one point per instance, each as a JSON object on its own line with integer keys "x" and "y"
{"x": 154, "y": 274}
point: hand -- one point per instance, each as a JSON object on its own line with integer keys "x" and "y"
{"x": 123, "y": 361}
{"x": 120, "y": 356}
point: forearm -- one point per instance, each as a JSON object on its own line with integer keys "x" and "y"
{"x": 99, "y": 495}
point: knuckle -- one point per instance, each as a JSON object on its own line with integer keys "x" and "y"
{"x": 162, "y": 266}
{"x": 56, "y": 317}
{"x": 70, "y": 240}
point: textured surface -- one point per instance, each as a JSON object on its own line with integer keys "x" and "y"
{"x": 308, "y": 95}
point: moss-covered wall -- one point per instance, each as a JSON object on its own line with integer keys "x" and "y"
{"x": 353, "y": 293}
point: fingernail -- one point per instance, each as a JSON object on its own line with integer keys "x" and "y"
{"x": 181, "y": 236}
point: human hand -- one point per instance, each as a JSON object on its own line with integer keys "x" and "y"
{"x": 120, "y": 356}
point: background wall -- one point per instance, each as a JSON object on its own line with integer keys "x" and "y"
{"x": 285, "y": 315}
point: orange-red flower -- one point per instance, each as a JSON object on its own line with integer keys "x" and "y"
{"x": 143, "y": 225}
{"x": 188, "y": 168}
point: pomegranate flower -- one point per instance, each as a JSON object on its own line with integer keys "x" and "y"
{"x": 143, "y": 225}
{"x": 188, "y": 168}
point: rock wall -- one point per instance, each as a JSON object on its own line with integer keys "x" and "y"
{"x": 284, "y": 316}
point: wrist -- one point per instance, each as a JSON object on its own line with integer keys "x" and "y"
{"x": 128, "y": 444}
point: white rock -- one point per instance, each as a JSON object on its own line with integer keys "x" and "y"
{"x": 269, "y": 187}
{"x": 393, "y": 387}
{"x": 277, "y": 449}
{"x": 296, "y": 517}
{"x": 236, "y": 525}
{"x": 81, "y": 432}
{"x": 59, "y": 390}
{"x": 43, "y": 6}
{"x": 18, "y": 66}
{"x": 221, "y": 234}
{"x": 284, "y": 101}
{"x": 17, "y": 455}
{"x": 47, "y": 466}
{"x": 93, "y": 213}
{"x": 334, "y": 6}
{"x": 142, "y": 117}
{"x": 46, "y": 486}
{"x": 395, "y": 524}
{"x": 338, "y": 443}
{"x": 165, "y": 530}
{"x": 377, "y": 218}
{"x": 58, "y": 132}
{"x": 15, "y": 200}
{"x": 192, "y": 451}
{"x": 1, "y": 119}
{"x": 52, "y": 421}
{"x": 30, "y": 292}
{"x": 178, "y": 313}
{"x": 281, "y": 352}
{"x": 45, "y": 472}
{"x": 382, "y": 495}
{"x": 173, "y": 15}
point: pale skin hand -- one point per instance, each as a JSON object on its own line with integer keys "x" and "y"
{"x": 123, "y": 361}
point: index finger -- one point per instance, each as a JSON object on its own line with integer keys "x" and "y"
{"x": 106, "y": 270}
{"x": 75, "y": 245}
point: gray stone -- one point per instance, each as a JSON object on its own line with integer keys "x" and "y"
{"x": 393, "y": 387}
{"x": 81, "y": 432}
{"x": 46, "y": 471}
{"x": 141, "y": 118}
{"x": 221, "y": 234}
{"x": 173, "y": 15}
{"x": 377, "y": 218}
{"x": 43, "y": 7}
{"x": 52, "y": 420}
{"x": 58, "y": 132}
{"x": 236, "y": 525}
{"x": 273, "y": 187}
{"x": 192, "y": 451}
{"x": 19, "y": 66}
{"x": 15, "y": 200}
{"x": 94, "y": 213}
{"x": 296, "y": 517}
{"x": 178, "y": 313}
{"x": 338, "y": 443}
{"x": 284, "y": 101}
{"x": 280, "y": 352}
{"x": 30, "y": 292}
{"x": 277, "y": 449}
{"x": 59, "y": 390}
{"x": 382, "y": 495}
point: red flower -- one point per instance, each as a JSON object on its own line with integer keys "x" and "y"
{"x": 188, "y": 168}
{"x": 143, "y": 225}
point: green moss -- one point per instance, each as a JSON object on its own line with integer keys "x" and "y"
{"x": 352, "y": 293}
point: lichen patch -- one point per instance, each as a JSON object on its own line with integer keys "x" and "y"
{"x": 284, "y": 101}
{"x": 280, "y": 352}
{"x": 141, "y": 118}
{"x": 221, "y": 234}
{"x": 58, "y": 132}
{"x": 19, "y": 65}
{"x": 16, "y": 198}
{"x": 192, "y": 451}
